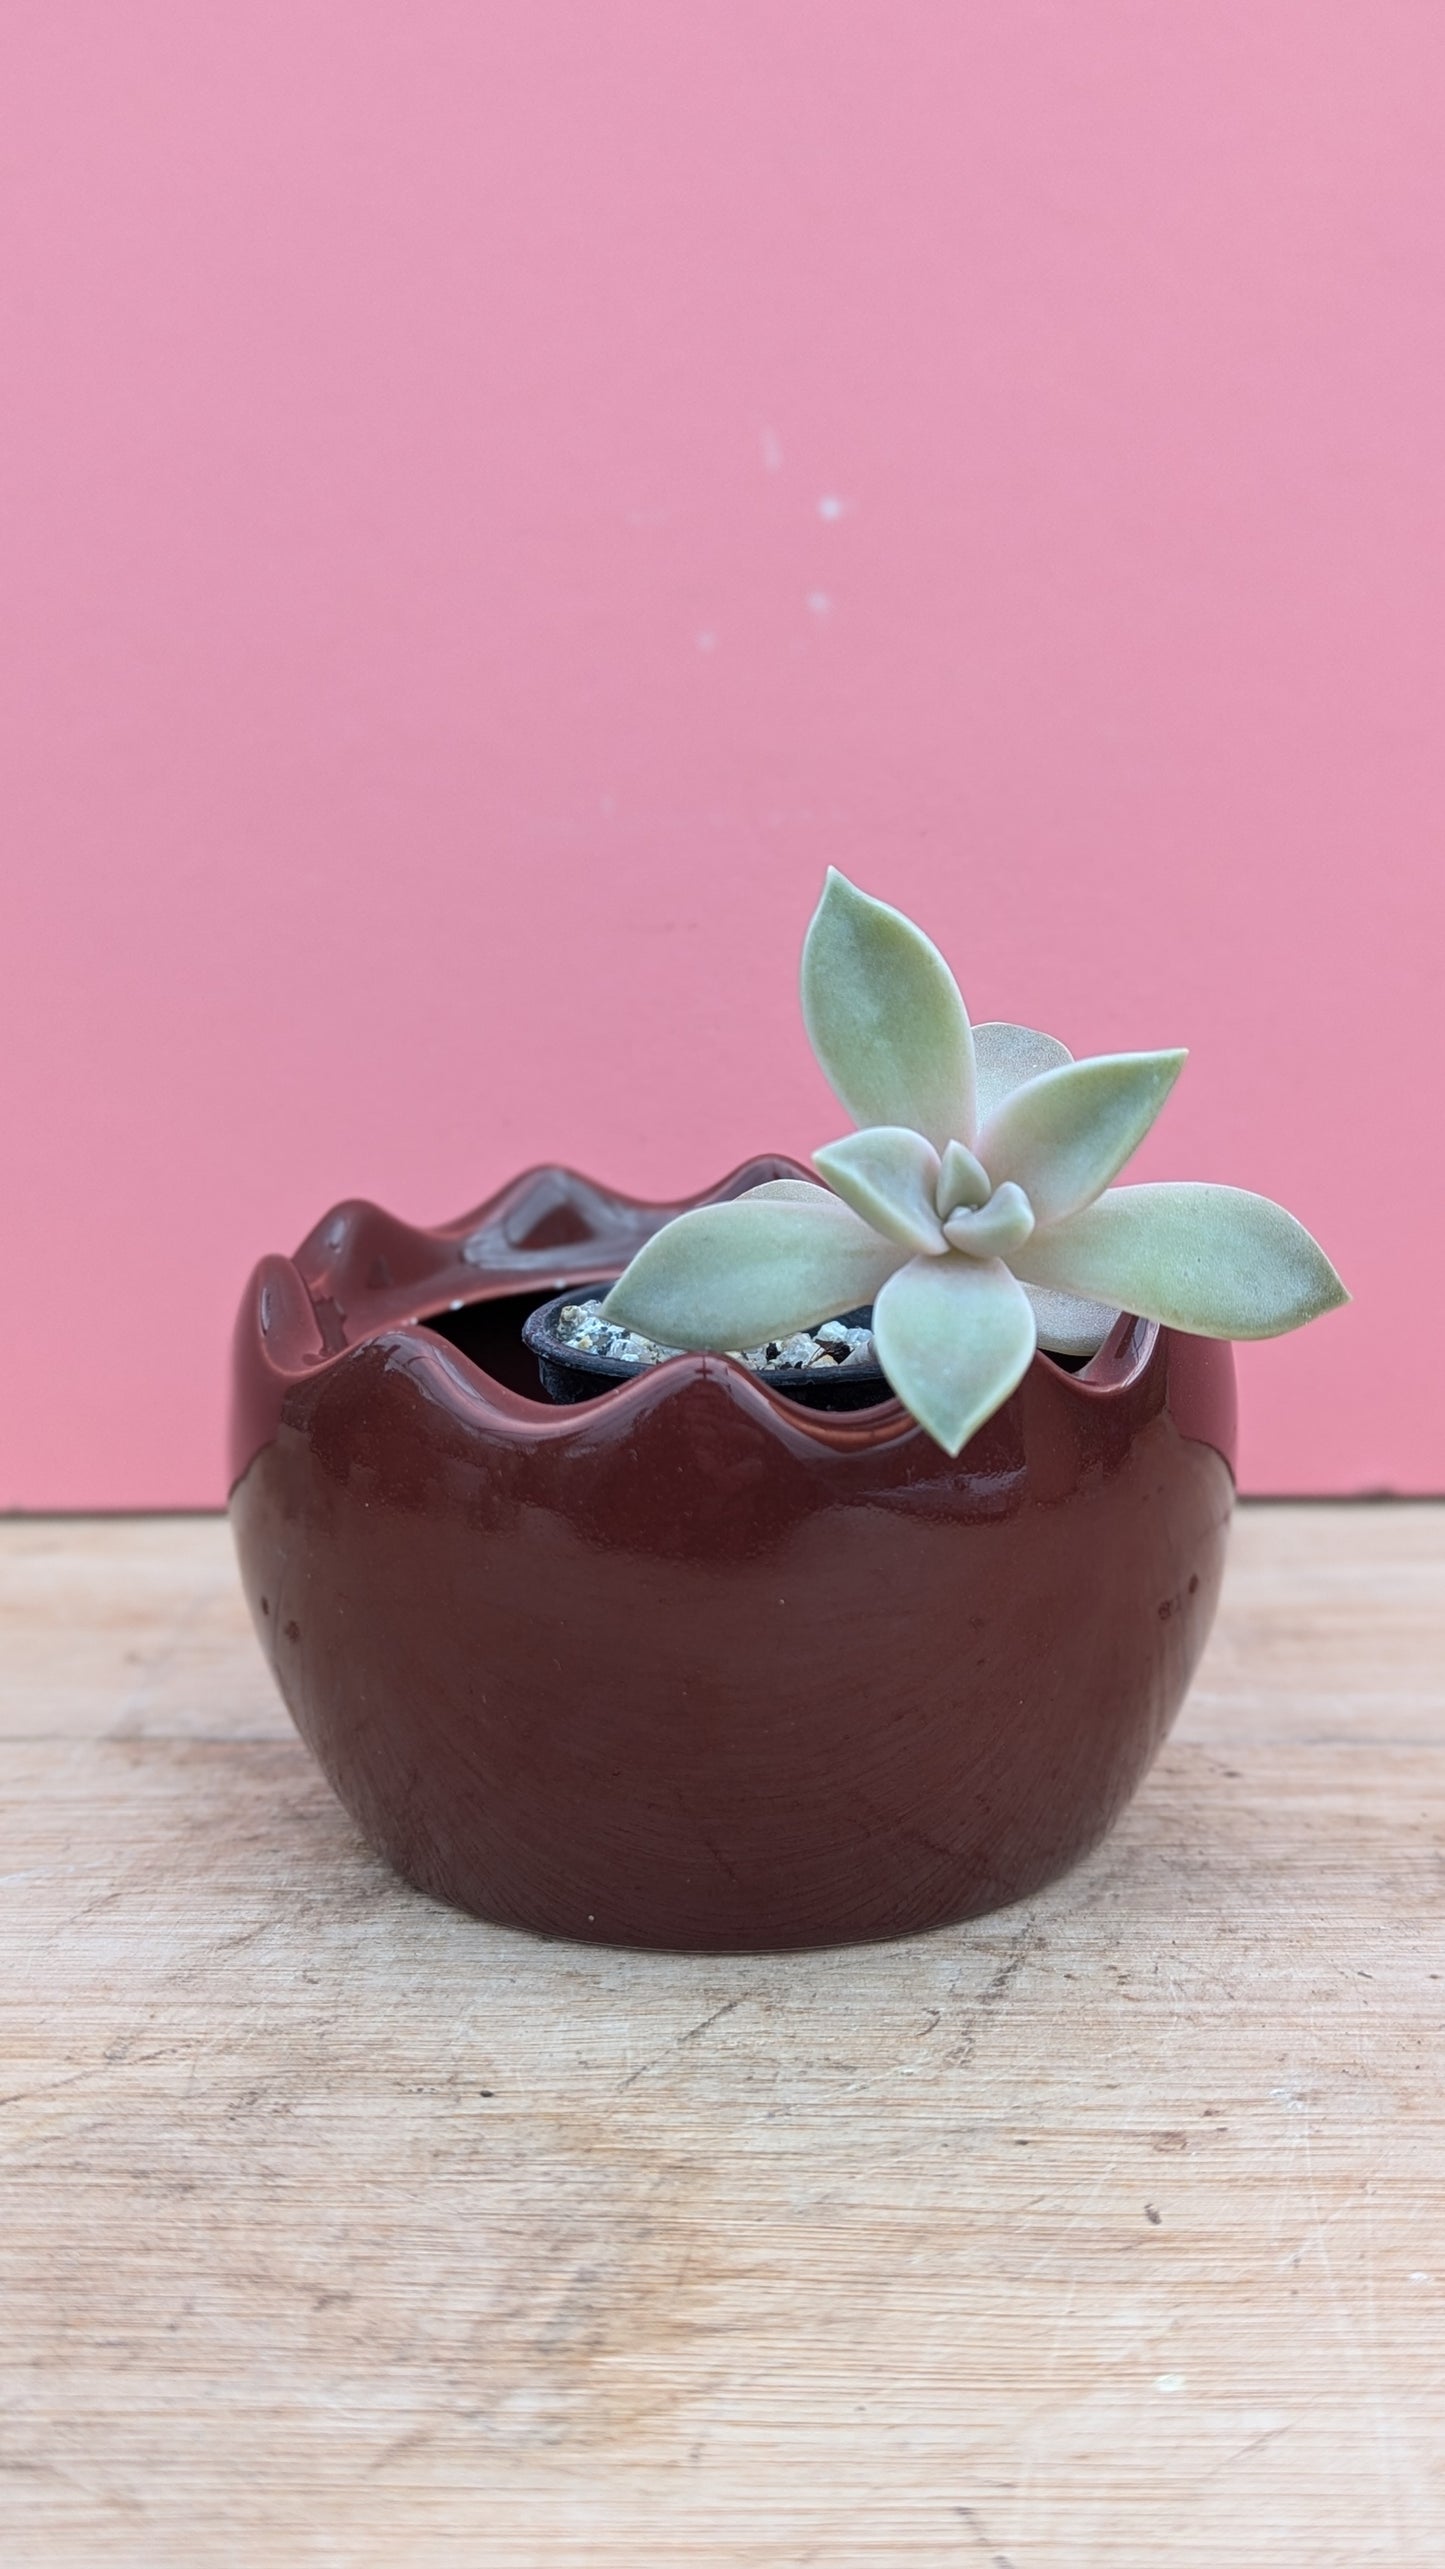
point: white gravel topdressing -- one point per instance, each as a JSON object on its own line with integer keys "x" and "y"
{"x": 833, "y": 1347}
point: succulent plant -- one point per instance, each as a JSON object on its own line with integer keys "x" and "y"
{"x": 973, "y": 1206}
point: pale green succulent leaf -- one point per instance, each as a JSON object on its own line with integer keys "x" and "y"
{"x": 963, "y": 1181}
{"x": 1212, "y": 1260}
{"x": 889, "y": 1174}
{"x": 1065, "y": 1134}
{"x": 737, "y": 1274}
{"x": 1067, "y": 1325}
{"x": 886, "y": 1018}
{"x": 1005, "y": 1056}
{"x": 953, "y": 1336}
{"x": 781, "y": 1190}
{"x": 995, "y": 1229}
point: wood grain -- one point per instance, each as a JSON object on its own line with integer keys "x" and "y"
{"x": 339, "y": 2228}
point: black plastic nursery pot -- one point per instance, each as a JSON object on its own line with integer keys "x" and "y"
{"x": 570, "y": 1373}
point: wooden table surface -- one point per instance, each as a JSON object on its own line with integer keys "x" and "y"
{"x": 338, "y": 2227}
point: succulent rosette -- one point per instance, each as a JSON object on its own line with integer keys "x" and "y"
{"x": 974, "y": 1206}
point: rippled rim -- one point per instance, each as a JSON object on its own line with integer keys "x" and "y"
{"x": 364, "y": 1277}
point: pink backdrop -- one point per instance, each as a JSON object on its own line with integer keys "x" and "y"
{"x": 498, "y": 496}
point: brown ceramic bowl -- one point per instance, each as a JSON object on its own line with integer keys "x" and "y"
{"x": 689, "y": 1665}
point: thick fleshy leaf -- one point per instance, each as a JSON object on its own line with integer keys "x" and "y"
{"x": 1070, "y": 1326}
{"x": 889, "y": 1174}
{"x": 963, "y": 1181}
{"x": 1005, "y": 1056}
{"x": 1062, "y": 1136}
{"x": 781, "y": 1190}
{"x": 954, "y": 1336}
{"x": 735, "y": 1275}
{"x": 885, "y": 1017}
{"x": 1212, "y": 1260}
{"x": 1067, "y": 1325}
{"x": 995, "y": 1229}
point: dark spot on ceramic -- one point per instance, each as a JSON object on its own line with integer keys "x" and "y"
{"x": 688, "y": 1665}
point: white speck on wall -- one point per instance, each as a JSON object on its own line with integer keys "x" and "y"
{"x": 772, "y": 451}
{"x": 1170, "y": 2382}
{"x": 819, "y": 602}
{"x": 707, "y": 642}
{"x": 831, "y": 507}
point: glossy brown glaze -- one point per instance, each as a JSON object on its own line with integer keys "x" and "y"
{"x": 688, "y": 1665}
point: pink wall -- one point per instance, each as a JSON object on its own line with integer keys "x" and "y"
{"x": 498, "y": 496}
